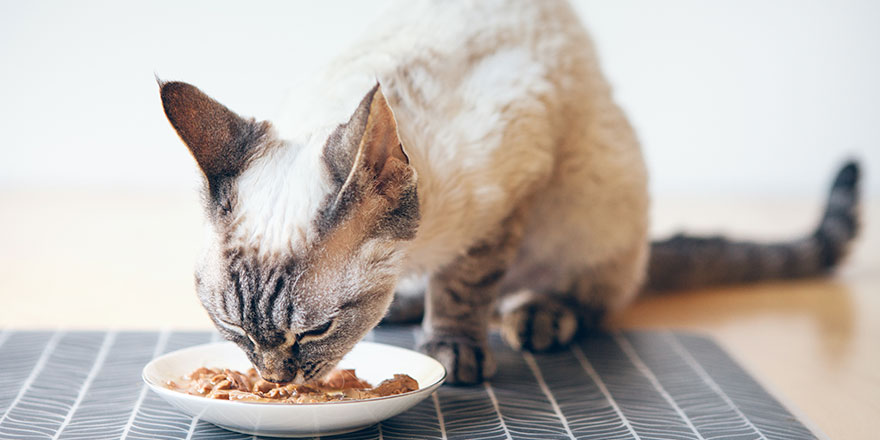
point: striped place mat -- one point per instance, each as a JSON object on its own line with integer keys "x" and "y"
{"x": 642, "y": 385}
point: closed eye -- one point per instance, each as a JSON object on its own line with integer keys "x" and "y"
{"x": 236, "y": 330}
{"x": 317, "y": 332}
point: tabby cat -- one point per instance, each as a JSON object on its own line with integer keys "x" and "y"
{"x": 468, "y": 155}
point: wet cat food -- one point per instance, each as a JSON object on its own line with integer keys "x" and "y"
{"x": 226, "y": 384}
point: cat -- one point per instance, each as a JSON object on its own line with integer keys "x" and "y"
{"x": 470, "y": 156}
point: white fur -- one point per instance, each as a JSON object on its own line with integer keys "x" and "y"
{"x": 279, "y": 195}
{"x": 501, "y": 106}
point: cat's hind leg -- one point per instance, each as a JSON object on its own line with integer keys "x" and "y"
{"x": 538, "y": 322}
{"x": 541, "y": 321}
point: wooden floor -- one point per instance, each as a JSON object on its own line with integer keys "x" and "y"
{"x": 97, "y": 259}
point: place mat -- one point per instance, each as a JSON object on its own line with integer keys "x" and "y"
{"x": 628, "y": 385}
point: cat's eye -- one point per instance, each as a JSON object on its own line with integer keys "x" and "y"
{"x": 317, "y": 332}
{"x": 237, "y": 330}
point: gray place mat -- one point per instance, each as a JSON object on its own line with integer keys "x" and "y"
{"x": 634, "y": 384}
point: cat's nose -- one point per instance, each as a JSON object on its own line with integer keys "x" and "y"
{"x": 276, "y": 366}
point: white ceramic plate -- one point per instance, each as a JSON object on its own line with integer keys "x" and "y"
{"x": 373, "y": 362}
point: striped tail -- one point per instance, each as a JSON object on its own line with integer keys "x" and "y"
{"x": 684, "y": 262}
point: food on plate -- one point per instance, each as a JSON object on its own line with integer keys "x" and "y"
{"x": 338, "y": 385}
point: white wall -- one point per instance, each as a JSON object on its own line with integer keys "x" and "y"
{"x": 748, "y": 97}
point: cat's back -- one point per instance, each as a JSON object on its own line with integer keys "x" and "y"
{"x": 463, "y": 29}
{"x": 482, "y": 91}
{"x": 438, "y": 55}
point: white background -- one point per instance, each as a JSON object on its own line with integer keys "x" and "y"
{"x": 746, "y": 98}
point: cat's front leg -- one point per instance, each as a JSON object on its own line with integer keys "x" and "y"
{"x": 459, "y": 304}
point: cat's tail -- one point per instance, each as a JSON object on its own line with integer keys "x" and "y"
{"x": 683, "y": 262}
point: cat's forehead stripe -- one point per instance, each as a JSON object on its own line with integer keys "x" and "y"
{"x": 278, "y": 198}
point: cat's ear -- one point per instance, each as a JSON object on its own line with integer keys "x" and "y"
{"x": 220, "y": 140}
{"x": 367, "y": 148}
{"x": 367, "y": 163}
{"x": 380, "y": 143}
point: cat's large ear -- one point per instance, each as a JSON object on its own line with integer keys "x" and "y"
{"x": 220, "y": 140}
{"x": 366, "y": 162}
{"x": 367, "y": 148}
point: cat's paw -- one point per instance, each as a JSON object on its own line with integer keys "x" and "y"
{"x": 538, "y": 323}
{"x": 466, "y": 362}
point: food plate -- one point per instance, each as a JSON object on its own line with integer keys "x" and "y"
{"x": 374, "y": 362}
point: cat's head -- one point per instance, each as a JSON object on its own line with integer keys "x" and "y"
{"x": 304, "y": 236}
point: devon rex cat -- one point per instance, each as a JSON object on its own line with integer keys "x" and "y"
{"x": 469, "y": 150}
